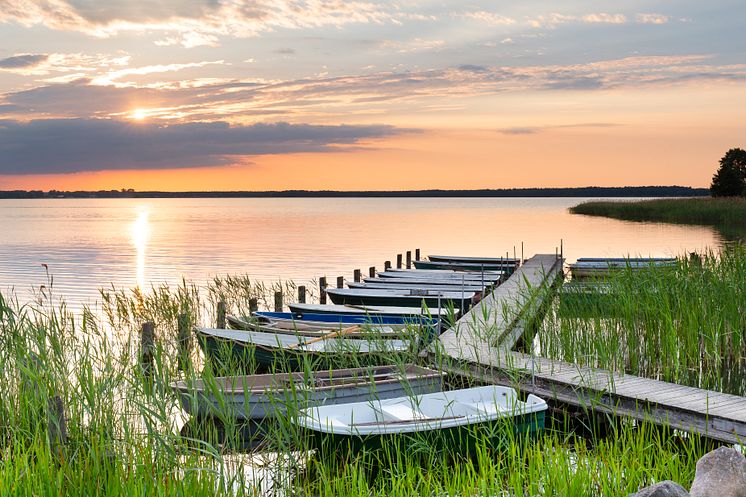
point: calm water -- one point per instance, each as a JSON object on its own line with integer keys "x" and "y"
{"x": 91, "y": 243}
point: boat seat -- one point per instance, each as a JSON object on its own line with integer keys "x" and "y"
{"x": 400, "y": 412}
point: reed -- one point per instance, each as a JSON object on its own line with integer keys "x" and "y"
{"x": 683, "y": 324}
{"x": 127, "y": 435}
{"x": 708, "y": 211}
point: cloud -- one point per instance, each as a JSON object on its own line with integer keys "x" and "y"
{"x": 554, "y": 19}
{"x": 413, "y": 45}
{"x": 52, "y": 146}
{"x": 489, "y": 18}
{"x": 652, "y": 19}
{"x": 192, "y": 23}
{"x": 23, "y": 61}
{"x": 530, "y": 130}
{"x": 317, "y": 98}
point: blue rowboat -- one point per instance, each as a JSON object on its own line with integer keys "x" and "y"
{"x": 369, "y": 310}
{"x": 333, "y": 318}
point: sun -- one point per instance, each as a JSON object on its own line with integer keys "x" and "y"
{"x": 139, "y": 114}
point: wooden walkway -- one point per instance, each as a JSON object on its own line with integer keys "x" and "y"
{"x": 482, "y": 343}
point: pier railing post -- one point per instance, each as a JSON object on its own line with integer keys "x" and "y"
{"x": 220, "y": 320}
{"x": 398, "y": 261}
{"x": 302, "y": 294}
{"x": 147, "y": 347}
{"x": 184, "y": 337}
{"x": 409, "y": 259}
{"x": 278, "y": 301}
{"x": 322, "y": 290}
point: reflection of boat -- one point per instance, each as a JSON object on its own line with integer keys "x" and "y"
{"x": 313, "y": 328}
{"x": 372, "y": 311}
{"x": 265, "y": 395}
{"x": 474, "y": 260}
{"x": 240, "y": 349}
{"x": 456, "y": 419}
{"x": 403, "y": 297}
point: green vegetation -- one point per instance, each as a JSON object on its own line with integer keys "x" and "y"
{"x": 728, "y": 215}
{"x": 730, "y": 178}
{"x": 125, "y": 434}
{"x": 685, "y": 324}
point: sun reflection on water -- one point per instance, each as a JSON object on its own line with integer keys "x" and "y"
{"x": 140, "y": 233}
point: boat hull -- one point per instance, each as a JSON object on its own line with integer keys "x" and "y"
{"x": 458, "y": 440}
{"x": 465, "y": 266}
{"x": 289, "y": 392}
{"x": 384, "y": 299}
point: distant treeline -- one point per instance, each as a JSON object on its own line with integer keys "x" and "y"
{"x": 588, "y": 191}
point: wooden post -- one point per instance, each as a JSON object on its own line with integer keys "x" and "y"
{"x": 302, "y": 294}
{"x": 322, "y": 290}
{"x": 185, "y": 340}
{"x": 372, "y": 271}
{"x": 398, "y": 261}
{"x": 147, "y": 347}
{"x": 220, "y": 321}
{"x": 278, "y": 301}
{"x": 57, "y": 424}
{"x": 356, "y": 276}
{"x": 417, "y": 254}
{"x": 340, "y": 281}
{"x": 409, "y": 259}
{"x": 387, "y": 265}
{"x": 253, "y": 305}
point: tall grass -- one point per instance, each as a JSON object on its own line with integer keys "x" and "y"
{"x": 127, "y": 435}
{"x": 685, "y": 324}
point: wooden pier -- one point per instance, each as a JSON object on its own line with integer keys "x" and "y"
{"x": 481, "y": 344}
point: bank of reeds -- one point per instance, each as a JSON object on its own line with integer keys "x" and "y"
{"x": 685, "y": 324}
{"x": 122, "y": 431}
{"x": 708, "y": 211}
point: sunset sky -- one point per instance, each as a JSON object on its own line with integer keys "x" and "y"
{"x": 333, "y": 94}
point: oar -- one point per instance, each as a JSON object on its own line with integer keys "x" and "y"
{"x": 333, "y": 334}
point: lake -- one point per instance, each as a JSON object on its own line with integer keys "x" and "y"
{"x": 90, "y": 243}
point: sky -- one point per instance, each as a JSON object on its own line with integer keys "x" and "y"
{"x": 365, "y": 95}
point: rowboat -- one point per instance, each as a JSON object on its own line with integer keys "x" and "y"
{"x": 373, "y": 311}
{"x": 625, "y": 259}
{"x": 240, "y": 349}
{"x": 474, "y": 260}
{"x": 602, "y": 268}
{"x": 444, "y": 274}
{"x": 312, "y": 328}
{"x": 374, "y": 296}
{"x": 395, "y": 284}
{"x": 465, "y": 266}
{"x": 456, "y": 420}
{"x": 321, "y": 319}
{"x": 261, "y": 396}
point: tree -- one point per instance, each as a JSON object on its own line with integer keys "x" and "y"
{"x": 730, "y": 178}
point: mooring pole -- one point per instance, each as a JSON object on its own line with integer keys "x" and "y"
{"x": 322, "y": 290}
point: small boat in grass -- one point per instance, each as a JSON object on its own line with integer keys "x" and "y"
{"x": 372, "y": 311}
{"x": 313, "y": 328}
{"x": 457, "y": 420}
{"x": 465, "y": 266}
{"x": 395, "y": 284}
{"x": 240, "y": 350}
{"x": 261, "y": 396}
{"x": 598, "y": 268}
{"x": 474, "y": 260}
{"x": 415, "y": 298}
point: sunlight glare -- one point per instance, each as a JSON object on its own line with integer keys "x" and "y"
{"x": 140, "y": 233}
{"x": 139, "y": 114}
